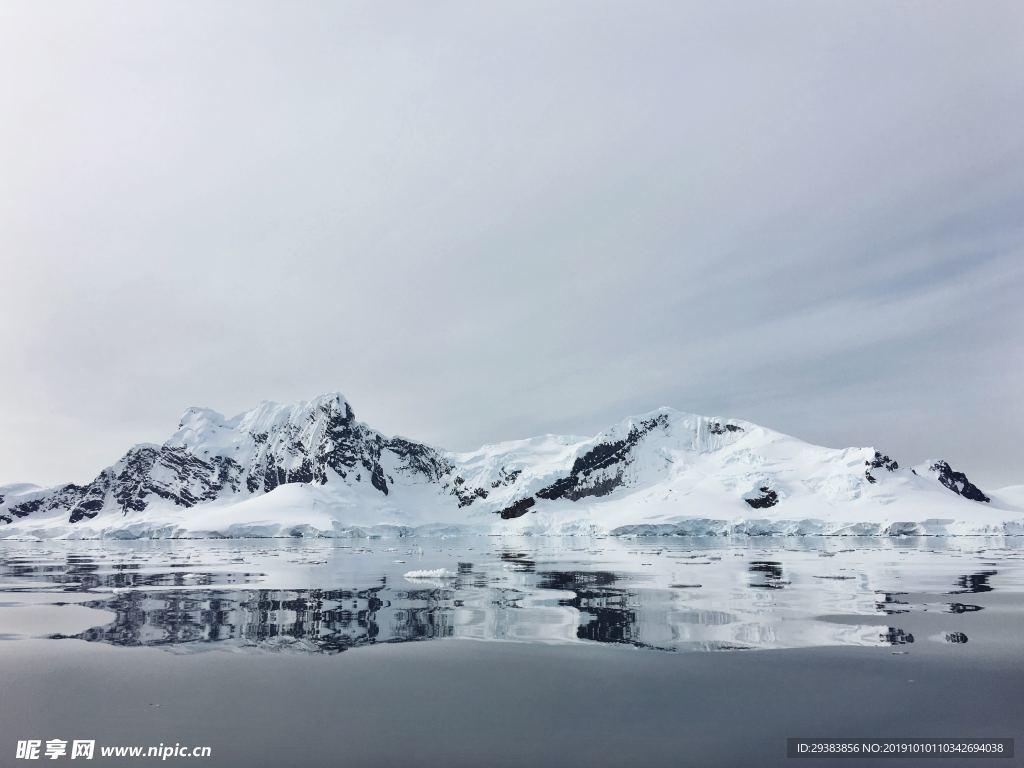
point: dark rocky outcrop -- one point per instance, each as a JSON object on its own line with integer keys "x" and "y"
{"x": 767, "y": 498}
{"x": 26, "y": 508}
{"x": 419, "y": 459}
{"x": 598, "y": 472}
{"x": 464, "y": 493}
{"x": 130, "y": 483}
{"x": 91, "y": 497}
{"x": 506, "y": 477}
{"x": 518, "y": 509}
{"x": 716, "y": 428}
{"x": 957, "y": 482}
{"x": 880, "y": 461}
{"x": 377, "y": 479}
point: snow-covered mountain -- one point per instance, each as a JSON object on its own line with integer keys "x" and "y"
{"x": 311, "y": 468}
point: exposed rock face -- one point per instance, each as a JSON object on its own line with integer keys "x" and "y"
{"x": 767, "y": 498}
{"x": 717, "y": 428}
{"x": 957, "y": 482}
{"x": 880, "y": 461}
{"x": 130, "y": 488}
{"x": 419, "y": 459}
{"x": 465, "y": 494}
{"x": 598, "y": 472}
{"x": 506, "y": 477}
{"x": 518, "y": 509}
{"x": 883, "y": 462}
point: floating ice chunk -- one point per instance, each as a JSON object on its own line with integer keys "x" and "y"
{"x": 436, "y": 573}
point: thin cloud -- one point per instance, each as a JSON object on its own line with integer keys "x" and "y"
{"x": 483, "y": 223}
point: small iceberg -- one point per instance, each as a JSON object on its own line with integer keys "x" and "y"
{"x": 436, "y": 573}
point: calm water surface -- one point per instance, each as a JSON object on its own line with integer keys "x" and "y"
{"x": 666, "y": 651}
{"x": 326, "y": 596}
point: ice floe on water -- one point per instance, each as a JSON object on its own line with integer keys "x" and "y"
{"x": 435, "y": 573}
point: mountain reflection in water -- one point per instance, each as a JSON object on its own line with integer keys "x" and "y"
{"x": 674, "y": 594}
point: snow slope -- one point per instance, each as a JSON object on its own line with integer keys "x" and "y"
{"x": 310, "y": 468}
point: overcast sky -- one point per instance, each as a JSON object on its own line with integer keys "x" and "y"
{"x": 482, "y": 221}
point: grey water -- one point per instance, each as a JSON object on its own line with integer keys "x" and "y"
{"x": 500, "y": 651}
